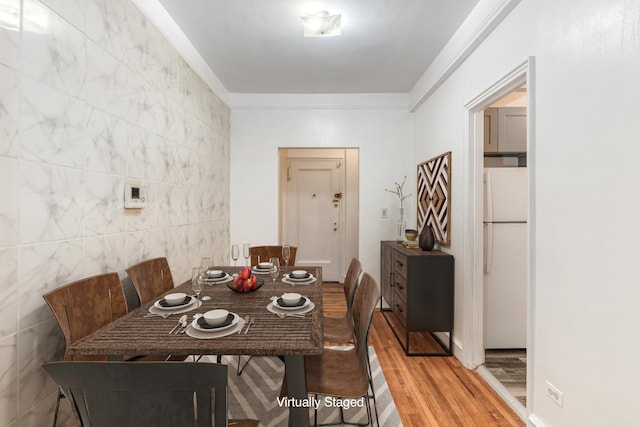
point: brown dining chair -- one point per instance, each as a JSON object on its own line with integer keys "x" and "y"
{"x": 151, "y": 278}
{"x": 263, "y": 254}
{"x": 339, "y": 329}
{"x": 85, "y": 306}
{"x": 82, "y": 307}
{"x": 346, "y": 373}
{"x": 266, "y": 252}
{"x": 155, "y": 394}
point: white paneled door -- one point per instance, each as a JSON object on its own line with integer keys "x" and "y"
{"x": 314, "y": 219}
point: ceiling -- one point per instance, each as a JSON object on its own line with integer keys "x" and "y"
{"x": 257, "y": 46}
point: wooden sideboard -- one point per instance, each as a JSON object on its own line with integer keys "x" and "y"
{"x": 418, "y": 287}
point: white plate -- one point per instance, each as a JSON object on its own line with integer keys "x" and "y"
{"x": 224, "y": 279}
{"x": 276, "y": 310}
{"x": 305, "y": 279}
{"x": 255, "y": 270}
{"x": 291, "y": 282}
{"x": 182, "y": 309}
{"x": 291, "y": 308}
{"x": 174, "y": 307}
{"x": 194, "y": 333}
{"x": 233, "y": 323}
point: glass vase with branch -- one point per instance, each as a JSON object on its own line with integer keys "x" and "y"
{"x": 399, "y": 191}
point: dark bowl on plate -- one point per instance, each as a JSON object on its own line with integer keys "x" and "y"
{"x": 214, "y": 274}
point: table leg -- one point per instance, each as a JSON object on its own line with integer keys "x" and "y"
{"x": 296, "y": 388}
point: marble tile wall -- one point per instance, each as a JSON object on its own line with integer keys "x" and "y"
{"x": 90, "y": 94}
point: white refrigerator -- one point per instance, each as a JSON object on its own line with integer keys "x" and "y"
{"x": 505, "y": 257}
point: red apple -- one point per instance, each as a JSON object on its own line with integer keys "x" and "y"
{"x": 247, "y": 285}
{"x": 238, "y": 283}
{"x": 254, "y": 282}
{"x": 245, "y": 273}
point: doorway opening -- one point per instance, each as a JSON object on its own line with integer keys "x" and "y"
{"x": 505, "y": 228}
{"x": 318, "y": 206}
{"x": 499, "y": 126}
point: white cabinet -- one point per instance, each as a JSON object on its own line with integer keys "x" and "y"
{"x": 505, "y": 130}
{"x": 491, "y": 130}
{"x": 512, "y": 130}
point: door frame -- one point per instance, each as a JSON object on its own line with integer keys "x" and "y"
{"x": 473, "y": 354}
{"x": 349, "y": 243}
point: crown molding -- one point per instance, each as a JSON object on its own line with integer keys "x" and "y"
{"x": 354, "y": 101}
{"x": 482, "y": 20}
{"x": 161, "y": 19}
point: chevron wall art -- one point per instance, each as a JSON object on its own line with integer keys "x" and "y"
{"x": 434, "y": 190}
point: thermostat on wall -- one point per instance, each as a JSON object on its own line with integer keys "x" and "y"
{"x": 134, "y": 194}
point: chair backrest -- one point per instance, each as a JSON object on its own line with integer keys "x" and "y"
{"x": 87, "y": 305}
{"x": 364, "y": 304}
{"x": 143, "y": 394}
{"x": 266, "y": 252}
{"x": 351, "y": 283}
{"x": 151, "y": 278}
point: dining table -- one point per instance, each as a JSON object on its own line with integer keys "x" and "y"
{"x": 291, "y": 337}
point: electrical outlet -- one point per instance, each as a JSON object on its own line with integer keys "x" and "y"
{"x": 384, "y": 213}
{"x": 555, "y": 394}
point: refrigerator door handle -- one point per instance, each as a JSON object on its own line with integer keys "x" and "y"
{"x": 488, "y": 265}
{"x": 488, "y": 197}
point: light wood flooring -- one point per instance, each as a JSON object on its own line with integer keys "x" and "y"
{"x": 429, "y": 391}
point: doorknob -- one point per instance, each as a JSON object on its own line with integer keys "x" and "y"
{"x": 336, "y": 199}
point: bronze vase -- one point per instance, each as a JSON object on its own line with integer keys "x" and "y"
{"x": 427, "y": 240}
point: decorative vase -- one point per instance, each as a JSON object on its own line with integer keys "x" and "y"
{"x": 427, "y": 240}
{"x": 400, "y": 226}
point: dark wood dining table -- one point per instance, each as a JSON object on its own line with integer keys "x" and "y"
{"x": 290, "y": 337}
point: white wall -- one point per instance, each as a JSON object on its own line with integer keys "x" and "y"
{"x": 384, "y": 137}
{"x": 584, "y": 162}
{"x": 91, "y": 93}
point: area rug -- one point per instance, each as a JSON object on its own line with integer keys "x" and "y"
{"x": 254, "y": 395}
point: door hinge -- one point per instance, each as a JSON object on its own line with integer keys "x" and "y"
{"x": 289, "y": 173}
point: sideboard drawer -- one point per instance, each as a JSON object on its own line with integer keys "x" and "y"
{"x": 400, "y": 285}
{"x": 400, "y": 309}
{"x": 400, "y": 264}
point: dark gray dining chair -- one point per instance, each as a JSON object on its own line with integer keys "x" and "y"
{"x": 159, "y": 394}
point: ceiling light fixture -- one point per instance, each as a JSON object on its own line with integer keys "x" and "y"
{"x": 321, "y": 24}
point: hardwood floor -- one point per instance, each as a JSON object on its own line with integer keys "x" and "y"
{"x": 429, "y": 391}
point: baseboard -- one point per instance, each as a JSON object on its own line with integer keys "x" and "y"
{"x": 457, "y": 348}
{"x": 457, "y": 345}
{"x": 535, "y": 421}
{"x": 502, "y": 391}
